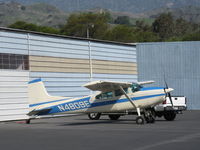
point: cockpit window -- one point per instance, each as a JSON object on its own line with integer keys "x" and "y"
{"x": 135, "y": 87}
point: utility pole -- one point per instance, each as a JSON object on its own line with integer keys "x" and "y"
{"x": 90, "y": 52}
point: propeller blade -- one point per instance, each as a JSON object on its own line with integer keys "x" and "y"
{"x": 170, "y": 98}
{"x": 165, "y": 83}
{"x": 169, "y": 94}
{"x": 165, "y": 92}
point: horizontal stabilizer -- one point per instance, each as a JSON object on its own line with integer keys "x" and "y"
{"x": 146, "y": 82}
{"x": 39, "y": 112}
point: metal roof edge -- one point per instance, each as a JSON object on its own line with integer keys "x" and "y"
{"x": 64, "y": 36}
{"x": 173, "y": 42}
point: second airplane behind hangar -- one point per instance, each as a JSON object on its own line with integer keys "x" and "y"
{"x": 112, "y": 97}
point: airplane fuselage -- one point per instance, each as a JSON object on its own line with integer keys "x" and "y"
{"x": 146, "y": 97}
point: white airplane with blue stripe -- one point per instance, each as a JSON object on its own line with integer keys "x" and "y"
{"x": 111, "y": 97}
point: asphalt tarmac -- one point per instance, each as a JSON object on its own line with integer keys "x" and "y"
{"x": 80, "y": 133}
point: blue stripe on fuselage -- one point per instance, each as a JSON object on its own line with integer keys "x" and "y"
{"x": 32, "y": 105}
{"x": 84, "y": 103}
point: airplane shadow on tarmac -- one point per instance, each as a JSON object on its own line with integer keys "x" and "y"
{"x": 103, "y": 121}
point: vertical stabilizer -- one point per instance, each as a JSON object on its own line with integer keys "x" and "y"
{"x": 37, "y": 92}
{"x": 38, "y": 95}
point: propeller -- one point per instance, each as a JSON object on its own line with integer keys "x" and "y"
{"x": 168, "y": 94}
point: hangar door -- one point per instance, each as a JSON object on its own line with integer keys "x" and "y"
{"x": 13, "y": 94}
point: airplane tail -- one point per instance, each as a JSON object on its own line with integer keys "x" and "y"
{"x": 37, "y": 92}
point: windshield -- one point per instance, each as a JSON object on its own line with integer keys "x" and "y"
{"x": 135, "y": 87}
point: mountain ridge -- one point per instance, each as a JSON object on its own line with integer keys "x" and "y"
{"x": 46, "y": 14}
{"x": 133, "y": 6}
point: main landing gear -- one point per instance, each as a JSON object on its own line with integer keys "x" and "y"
{"x": 148, "y": 116}
{"x": 140, "y": 120}
{"x": 94, "y": 116}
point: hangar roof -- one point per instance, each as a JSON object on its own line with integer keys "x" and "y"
{"x": 68, "y": 37}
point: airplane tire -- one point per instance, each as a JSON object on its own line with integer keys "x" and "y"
{"x": 170, "y": 116}
{"x": 140, "y": 120}
{"x": 94, "y": 116}
{"x": 114, "y": 117}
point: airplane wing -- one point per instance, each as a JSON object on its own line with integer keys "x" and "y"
{"x": 106, "y": 85}
{"x": 146, "y": 82}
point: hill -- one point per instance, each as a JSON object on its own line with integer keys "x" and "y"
{"x": 132, "y": 6}
{"x": 189, "y": 13}
{"x": 51, "y": 13}
{"x": 40, "y": 14}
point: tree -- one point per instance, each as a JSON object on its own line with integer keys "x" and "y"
{"x": 24, "y": 26}
{"x": 192, "y": 37}
{"x": 146, "y": 36}
{"x": 164, "y": 25}
{"x": 124, "y": 20}
{"x": 181, "y": 27}
{"x": 32, "y": 27}
{"x": 142, "y": 26}
{"x": 77, "y": 25}
{"x": 120, "y": 33}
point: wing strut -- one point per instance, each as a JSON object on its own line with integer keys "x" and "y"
{"x": 137, "y": 108}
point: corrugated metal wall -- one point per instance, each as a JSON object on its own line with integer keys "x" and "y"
{"x": 13, "y": 95}
{"x": 64, "y": 63}
{"x": 13, "y": 83}
{"x": 14, "y": 43}
{"x": 179, "y": 62}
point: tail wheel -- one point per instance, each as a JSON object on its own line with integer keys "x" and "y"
{"x": 140, "y": 120}
{"x": 114, "y": 117}
{"x": 28, "y": 121}
{"x": 170, "y": 116}
{"x": 94, "y": 116}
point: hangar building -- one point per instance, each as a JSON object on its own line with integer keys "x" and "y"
{"x": 179, "y": 62}
{"x": 63, "y": 63}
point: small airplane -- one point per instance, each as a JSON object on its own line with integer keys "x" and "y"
{"x": 111, "y": 97}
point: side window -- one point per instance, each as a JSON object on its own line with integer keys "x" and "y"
{"x": 105, "y": 95}
{"x": 99, "y": 96}
{"x": 109, "y": 94}
{"x": 119, "y": 92}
